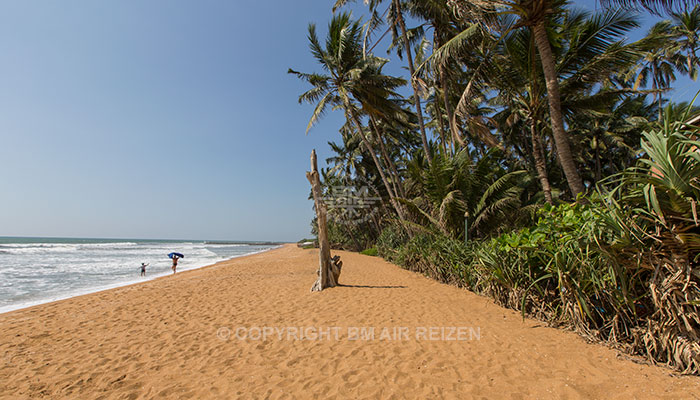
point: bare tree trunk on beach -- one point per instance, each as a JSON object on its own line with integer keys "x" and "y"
{"x": 329, "y": 270}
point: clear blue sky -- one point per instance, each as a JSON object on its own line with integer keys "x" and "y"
{"x": 157, "y": 119}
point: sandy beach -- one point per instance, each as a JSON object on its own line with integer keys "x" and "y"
{"x": 199, "y": 334}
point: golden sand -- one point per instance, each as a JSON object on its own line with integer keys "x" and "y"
{"x": 198, "y": 334}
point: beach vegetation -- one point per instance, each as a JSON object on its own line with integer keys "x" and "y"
{"x": 372, "y": 251}
{"x": 535, "y": 155}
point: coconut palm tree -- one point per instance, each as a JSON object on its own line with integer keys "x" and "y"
{"x": 653, "y": 6}
{"x": 608, "y": 139}
{"x": 520, "y": 92}
{"x": 348, "y": 158}
{"x": 589, "y": 51}
{"x": 537, "y": 15}
{"x": 448, "y": 187}
{"x": 686, "y": 27}
{"x": 354, "y": 82}
{"x": 398, "y": 20}
{"x": 662, "y": 59}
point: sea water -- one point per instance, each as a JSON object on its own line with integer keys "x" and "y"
{"x": 39, "y": 270}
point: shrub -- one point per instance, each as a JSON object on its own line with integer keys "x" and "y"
{"x": 372, "y": 251}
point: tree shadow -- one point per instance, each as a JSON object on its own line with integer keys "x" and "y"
{"x": 373, "y": 286}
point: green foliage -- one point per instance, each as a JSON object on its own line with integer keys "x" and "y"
{"x": 569, "y": 269}
{"x": 621, "y": 264}
{"x": 349, "y": 236}
{"x": 434, "y": 255}
{"x": 559, "y": 265}
{"x": 392, "y": 238}
{"x": 449, "y": 187}
{"x": 661, "y": 194}
{"x": 372, "y": 251}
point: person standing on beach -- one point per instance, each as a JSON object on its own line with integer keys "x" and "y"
{"x": 143, "y": 269}
{"x": 175, "y": 258}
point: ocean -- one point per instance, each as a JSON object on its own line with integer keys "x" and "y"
{"x": 40, "y": 270}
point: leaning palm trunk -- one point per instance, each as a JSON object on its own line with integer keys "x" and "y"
{"x": 540, "y": 165}
{"x": 448, "y": 109}
{"x": 537, "y": 148}
{"x": 411, "y": 70}
{"x": 351, "y": 234}
{"x": 560, "y": 138}
{"x": 441, "y": 124}
{"x": 440, "y": 79}
{"x": 373, "y": 154}
{"x": 391, "y": 166}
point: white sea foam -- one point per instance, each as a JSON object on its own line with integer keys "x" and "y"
{"x": 39, "y": 272}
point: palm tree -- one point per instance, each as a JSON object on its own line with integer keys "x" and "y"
{"x": 608, "y": 140}
{"x": 353, "y": 78}
{"x": 439, "y": 16}
{"x": 348, "y": 159}
{"x": 515, "y": 76}
{"x": 653, "y": 6}
{"x": 662, "y": 59}
{"x": 537, "y": 15}
{"x": 448, "y": 187}
{"x": 686, "y": 27}
{"x": 588, "y": 53}
{"x": 412, "y": 71}
{"x": 398, "y": 20}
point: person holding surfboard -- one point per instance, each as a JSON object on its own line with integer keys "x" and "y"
{"x": 175, "y": 257}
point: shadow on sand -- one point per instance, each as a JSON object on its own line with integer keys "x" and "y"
{"x": 372, "y": 286}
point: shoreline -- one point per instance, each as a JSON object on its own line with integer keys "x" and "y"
{"x": 197, "y": 335}
{"x": 79, "y": 293}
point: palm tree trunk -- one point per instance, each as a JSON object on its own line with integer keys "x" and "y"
{"x": 448, "y": 109}
{"x": 443, "y": 135}
{"x": 373, "y": 154}
{"x": 411, "y": 70}
{"x": 387, "y": 161}
{"x": 657, "y": 95}
{"x": 441, "y": 123}
{"x": 540, "y": 165}
{"x": 561, "y": 140}
{"x": 396, "y": 179}
{"x": 349, "y": 232}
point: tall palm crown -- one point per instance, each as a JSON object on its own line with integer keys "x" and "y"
{"x": 353, "y": 78}
{"x": 686, "y": 28}
{"x": 351, "y": 75}
{"x": 399, "y": 24}
{"x": 654, "y": 6}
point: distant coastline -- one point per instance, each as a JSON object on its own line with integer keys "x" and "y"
{"x": 205, "y": 241}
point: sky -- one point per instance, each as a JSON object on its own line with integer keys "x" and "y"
{"x": 166, "y": 119}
